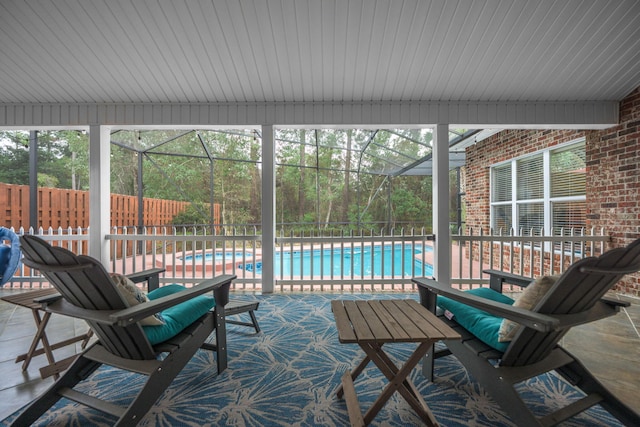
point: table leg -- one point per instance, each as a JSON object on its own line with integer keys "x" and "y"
{"x": 354, "y": 374}
{"x": 393, "y": 372}
{"x": 53, "y": 368}
{"x": 86, "y": 339}
{"x": 41, "y": 324}
{"x": 399, "y": 381}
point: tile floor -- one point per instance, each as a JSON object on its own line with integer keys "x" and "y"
{"x": 610, "y": 348}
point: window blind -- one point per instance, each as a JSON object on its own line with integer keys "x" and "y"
{"x": 501, "y": 184}
{"x": 531, "y": 219}
{"x": 568, "y": 172}
{"x": 568, "y": 215}
{"x": 530, "y": 177}
{"x": 502, "y": 221}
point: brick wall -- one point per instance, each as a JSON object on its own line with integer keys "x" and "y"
{"x": 613, "y": 179}
{"x": 499, "y": 148}
{"x": 613, "y": 174}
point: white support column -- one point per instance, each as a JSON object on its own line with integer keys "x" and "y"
{"x": 268, "y": 208}
{"x": 99, "y": 192}
{"x": 442, "y": 246}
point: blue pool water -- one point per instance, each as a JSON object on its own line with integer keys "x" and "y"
{"x": 363, "y": 262}
{"x": 218, "y": 256}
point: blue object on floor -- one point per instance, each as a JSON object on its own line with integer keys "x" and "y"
{"x": 9, "y": 254}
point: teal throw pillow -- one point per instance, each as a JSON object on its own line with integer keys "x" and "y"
{"x": 178, "y": 317}
{"x": 483, "y": 325}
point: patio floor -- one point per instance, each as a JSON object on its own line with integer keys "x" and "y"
{"x": 610, "y": 348}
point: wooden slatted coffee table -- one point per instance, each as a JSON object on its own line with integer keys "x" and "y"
{"x": 371, "y": 324}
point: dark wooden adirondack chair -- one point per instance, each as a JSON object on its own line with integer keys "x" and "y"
{"x": 577, "y": 297}
{"x": 87, "y": 292}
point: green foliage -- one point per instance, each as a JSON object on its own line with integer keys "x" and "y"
{"x": 46, "y": 180}
{"x": 14, "y": 157}
{"x": 326, "y": 179}
{"x": 124, "y": 171}
{"x": 196, "y": 213}
{"x": 76, "y": 162}
{"x": 62, "y": 159}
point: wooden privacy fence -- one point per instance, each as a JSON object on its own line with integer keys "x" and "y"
{"x": 70, "y": 208}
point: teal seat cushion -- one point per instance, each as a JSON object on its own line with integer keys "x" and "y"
{"x": 178, "y": 317}
{"x": 483, "y": 325}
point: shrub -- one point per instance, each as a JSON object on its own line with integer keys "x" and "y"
{"x": 195, "y": 213}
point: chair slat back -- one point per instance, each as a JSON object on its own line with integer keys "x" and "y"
{"x": 83, "y": 282}
{"x": 576, "y": 291}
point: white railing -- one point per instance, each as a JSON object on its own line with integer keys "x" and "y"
{"x": 529, "y": 253}
{"x": 366, "y": 261}
{"x": 347, "y": 262}
{"x": 188, "y": 254}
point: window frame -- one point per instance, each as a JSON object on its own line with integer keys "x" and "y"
{"x": 547, "y": 201}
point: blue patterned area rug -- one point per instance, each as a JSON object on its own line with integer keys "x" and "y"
{"x": 288, "y": 374}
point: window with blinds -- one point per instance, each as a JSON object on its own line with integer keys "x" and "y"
{"x": 531, "y": 219}
{"x": 501, "y": 184}
{"x": 530, "y": 178}
{"x": 502, "y": 222}
{"x": 501, "y": 197}
{"x": 543, "y": 193}
{"x": 567, "y": 216}
{"x": 568, "y": 171}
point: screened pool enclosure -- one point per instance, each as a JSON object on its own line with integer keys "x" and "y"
{"x": 326, "y": 179}
{"x": 352, "y": 207}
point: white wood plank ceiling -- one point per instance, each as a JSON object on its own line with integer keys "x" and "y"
{"x": 220, "y": 51}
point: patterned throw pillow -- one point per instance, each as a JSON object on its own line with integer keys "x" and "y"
{"x": 134, "y": 296}
{"x": 529, "y": 298}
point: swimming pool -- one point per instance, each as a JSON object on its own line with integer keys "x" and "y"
{"x": 217, "y": 256}
{"x": 376, "y": 261}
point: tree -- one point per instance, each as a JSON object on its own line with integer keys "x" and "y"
{"x": 78, "y": 161}
{"x": 62, "y": 159}
{"x": 14, "y": 158}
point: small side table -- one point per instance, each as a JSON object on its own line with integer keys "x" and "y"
{"x": 26, "y": 299}
{"x": 31, "y": 301}
{"x": 237, "y": 307}
{"x": 373, "y": 323}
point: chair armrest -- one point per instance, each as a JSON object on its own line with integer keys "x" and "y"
{"x": 615, "y": 302}
{"x": 498, "y": 277}
{"x": 62, "y": 306}
{"x": 151, "y": 276}
{"x": 219, "y": 285}
{"x": 604, "y": 308}
{"x": 539, "y": 322}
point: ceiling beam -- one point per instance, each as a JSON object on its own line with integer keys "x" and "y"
{"x": 562, "y": 115}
